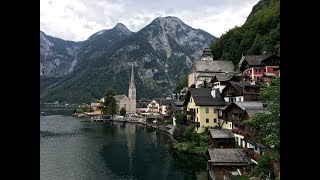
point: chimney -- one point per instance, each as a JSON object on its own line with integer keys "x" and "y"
{"x": 213, "y": 93}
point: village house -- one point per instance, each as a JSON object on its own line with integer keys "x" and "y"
{"x": 219, "y": 81}
{"x": 260, "y": 67}
{"x": 236, "y": 113}
{"x": 122, "y": 102}
{"x": 165, "y": 110}
{"x": 241, "y": 91}
{"x": 176, "y": 106}
{"x": 223, "y": 120}
{"x": 142, "y": 105}
{"x": 153, "y": 107}
{"x": 221, "y": 138}
{"x": 227, "y": 162}
{"x": 97, "y": 107}
{"x": 206, "y": 68}
{"x": 202, "y": 104}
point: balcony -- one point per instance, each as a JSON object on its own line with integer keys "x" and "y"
{"x": 191, "y": 113}
{"x": 251, "y": 153}
{"x": 230, "y": 94}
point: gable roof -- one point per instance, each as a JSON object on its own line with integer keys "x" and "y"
{"x": 251, "y": 107}
{"x": 240, "y": 86}
{"x": 221, "y": 133}
{"x": 255, "y": 60}
{"x": 119, "y": 97}
{"x": 203, "y": 97}
{"x": 212, "y": 66}
{"x": 224, "y": 76}
{"x": 228, "y": 156}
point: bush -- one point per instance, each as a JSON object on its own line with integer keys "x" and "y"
{"x": 178, "y": 133}
{"x": 122, "y": 111}
{"x": 170, "y": 121}
{"x": 87, "y": 109}
{"x": 181, "y": 117}
{"x": 79, "y": 110}
{"x": 190, "y": 134}
{"x": 203, "y": 139}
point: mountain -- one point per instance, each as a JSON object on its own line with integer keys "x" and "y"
{"x": 57, "y": 57}
{"x": 161, "y": 53}
{"x": 260, "y": 32}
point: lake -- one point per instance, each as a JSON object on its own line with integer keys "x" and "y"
{"x": 76, "y": 148}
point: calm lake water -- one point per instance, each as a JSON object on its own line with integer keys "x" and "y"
{"x": 74, "y": 148}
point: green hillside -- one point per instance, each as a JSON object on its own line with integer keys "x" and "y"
{"x": 260, "y": 32}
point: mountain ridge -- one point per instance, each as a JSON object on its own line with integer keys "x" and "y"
{"x": 161, "y": 53}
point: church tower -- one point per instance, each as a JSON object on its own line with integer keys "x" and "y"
{"x": 132, "y": 94}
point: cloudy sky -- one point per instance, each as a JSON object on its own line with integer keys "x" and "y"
{"x": 76, "y": 20}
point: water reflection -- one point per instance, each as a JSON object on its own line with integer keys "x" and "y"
{"x": 72, "y": 149}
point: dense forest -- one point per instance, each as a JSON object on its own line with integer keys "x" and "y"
{"x": 260, "y": 32}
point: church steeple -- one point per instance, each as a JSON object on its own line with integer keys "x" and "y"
{"x": 132, "y": 94}
{"x": 132, "y": 78}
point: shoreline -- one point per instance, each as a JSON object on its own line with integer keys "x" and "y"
{"x": 156, "y": 127}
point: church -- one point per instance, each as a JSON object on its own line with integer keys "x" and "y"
{"x": 128, "y": 102}
{"x": 132, "y": 94}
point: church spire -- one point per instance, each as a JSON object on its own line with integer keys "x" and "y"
{"x": 132, "y": 78}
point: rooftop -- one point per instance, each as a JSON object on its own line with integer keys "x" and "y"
{"x": 224, "y": 76}
{"x": 203, "y": 97}
{"x": 241, "y": 85}
{"x": 228, "y": 156}
{"x": 119, "y": 97}
{"x": 258, "y": 60}
{"x": 212, "y": 66}
{"x": 249, "y": 105}
{"x": 221, "y": 133}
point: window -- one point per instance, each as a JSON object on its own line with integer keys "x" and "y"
{"x": 214, "y": 110}
{"x": 257, "y": 70}
{"x": 220, "y": 112}
{"x": 197, "y": 110}
{"x": 207, "y": 120}
{"x": 197, "y": 119}
{"x": 207, "y": 110}
{"x": 258, "y": 78}
{"x": 256, "y": 148}
{"x": 275, "y": 69}
{"x": 215, "y": 120}
{"x": 230, "y": 125}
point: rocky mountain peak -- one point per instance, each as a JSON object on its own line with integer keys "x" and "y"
{"x": 121, "y": 27}
{"x": 161, "y": 52}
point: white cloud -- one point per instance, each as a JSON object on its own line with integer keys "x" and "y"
{"x": 78, "y": 19}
